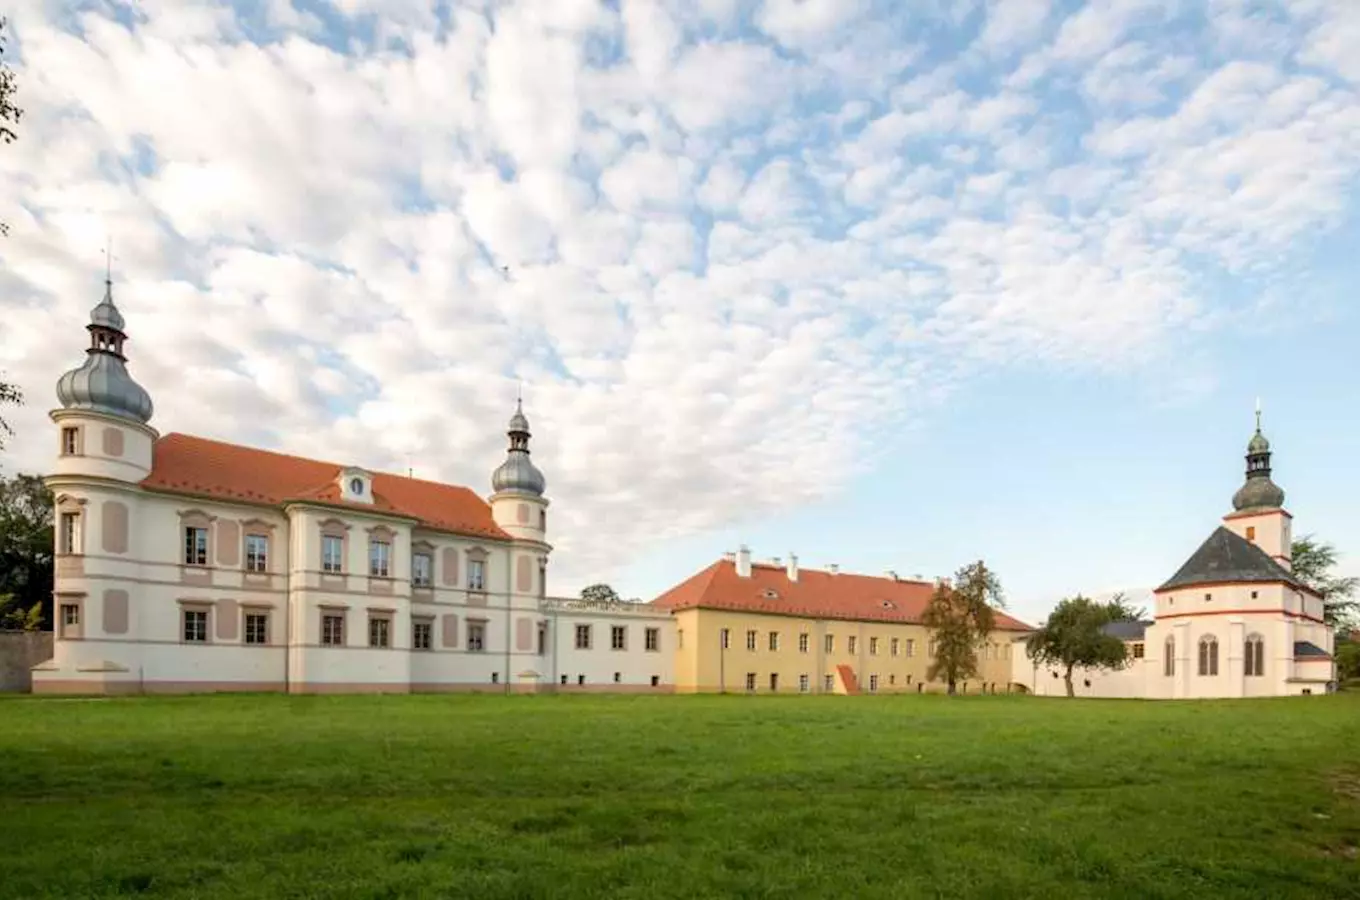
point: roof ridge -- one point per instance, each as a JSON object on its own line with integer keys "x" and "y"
{"x": 311, "y": 459}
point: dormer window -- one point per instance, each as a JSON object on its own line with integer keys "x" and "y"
{"x": 770, "y": 594}
{"x": 356, "y": 486}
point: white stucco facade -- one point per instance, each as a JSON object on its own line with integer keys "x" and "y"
{"x": 1233, "y": 622}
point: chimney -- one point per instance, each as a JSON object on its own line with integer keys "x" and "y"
{"x": 775, "y": 561}
{"x": 891, "y": 574}
{"x": 793, "y": 567}
{"x": 833, "y": 568}
{"x": 730, "y": 556}
{"x": 744, "y": 561}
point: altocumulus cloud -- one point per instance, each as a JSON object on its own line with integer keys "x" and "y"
{"x": 720, "y": 242}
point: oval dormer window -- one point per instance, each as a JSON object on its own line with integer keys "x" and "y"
{"x": 356, "y": 485}
{"x": 770, "y": 594}
{"x": 888, "y": 604}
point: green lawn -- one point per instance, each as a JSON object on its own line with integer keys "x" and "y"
{"x": 646, "y": 797}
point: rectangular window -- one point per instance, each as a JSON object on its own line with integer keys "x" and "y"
{"x": 873, "y": 646}
{"x": 379, "y": 558}
{"x": 476, "y": 575}
{"x": 1251, "y": 530}
{"x": 750, "y": 640}
{"x": 379, "y": 631}
{"x": 894, "y": 646}
{"x": 829, "y": 643}
{"x": 422, "y": 564}
{"x": 873, "y": 683}
{"x": 69, "y": 622}
{"x": 476, "y": 638}
{"x": 332, "y": 553}
{"x": 195, "y": 546}
{"x": 652, "y": 639}
{"x": 70, "y": 533}
{"x": 196, "y": 626}
{"x": 803, "y": 684}
{"x": 421, "y": 635}
{"x": 618, "y": 637}
{"x": 774, "y": 640}
{"x": 828, "y": 683}
{"x": 680, "y": 639}
{"x": 1137, "y": 651}
{"x": 542, "y": 639}
{"x": 257, "y": 553}
{"x": 726, "y": 638}
{"x": 803, "y": 641}
{"x": 333, "y": 630}
{"x": 70, "y": 441}
{"x": 495, "y": 677}
{"x": 257, "y": 628}
{"x": 750, "y": 681}
{"x": 911, "y": 647}
{"x": 850, "y": 645}
{"x": 582, "y": 637}
{"x": 774, "y": 681}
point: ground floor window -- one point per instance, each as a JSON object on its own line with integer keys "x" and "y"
{"x": 379, "y": 631}
{"x": 1255, "y": 662}
{"x": 751, "y": 680}
{"x": 803, "y": 684}
{"x": 1208, "y": 655}
{"x": 69, "y": 620}
{"x": 421, "y": 635}
{"x": 873, "y": 683}
{"x": 195, "y": 626}
{"x": 333, "y": 630}
{"x": 829, "y": 683}
{"x": 774, "y": 681}
{"x": 476, "y": 636}
{"x": 257, "y": 628}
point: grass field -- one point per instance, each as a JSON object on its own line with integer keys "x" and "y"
{"x": 646, "y": 797}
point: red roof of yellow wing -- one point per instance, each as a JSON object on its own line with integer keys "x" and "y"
{"x": 184, "y": 464}
{"x": 816, "y": 594}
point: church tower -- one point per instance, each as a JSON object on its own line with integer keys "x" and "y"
{"x": 1258, "y": 506}
{"x": 519, "y": 507}
{"x": 103, "y": 428}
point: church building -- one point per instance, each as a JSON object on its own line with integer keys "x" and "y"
{"x": 1233, "y": 621}
{"x": 188, "y": 564}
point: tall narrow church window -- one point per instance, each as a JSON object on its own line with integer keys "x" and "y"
{"x": 70, "y": 533}
{"x": 1208, "y": 655}
{"x": 70, "y": 441}
{"x": 1169, "y": 657}
{"x": 1255, "y": 662}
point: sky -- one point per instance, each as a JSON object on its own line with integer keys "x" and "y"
{"x": 890, "y": 285}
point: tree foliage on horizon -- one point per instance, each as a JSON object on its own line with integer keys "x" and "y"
{"x": 599, "y": 592}
{"x": 26, "y": 547}
{"x": 1073, "y": 635}
{"x": 1313, "y": 562}
{"x": 9, "y": 113}
{"x": 961, "y": 614}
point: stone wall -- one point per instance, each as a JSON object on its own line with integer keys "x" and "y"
{"x": 19, "y": 652}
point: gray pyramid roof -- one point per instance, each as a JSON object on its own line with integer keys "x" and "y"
{"x": 1308, "y": 648}
{"x": 1127, "y": 629}
{"x": 1228, "y": 557}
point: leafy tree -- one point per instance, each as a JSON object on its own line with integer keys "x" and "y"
{"x": 9, "y": 113}
{"x": 26, "y": 544}
{"x": 601, "y": 592}
{"x": 9, "y": 394}
{"x": 14, "y": 617}
{"x": 1074, "y": 636}
{"x": 1313, "y": 563}
{"x": 1348, "y": 659}
{"x": 960, "y": 615}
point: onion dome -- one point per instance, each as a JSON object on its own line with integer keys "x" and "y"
{"x": 102, "y": 383}
{"x": 517, "y": 473}
{"x": 1259, "y": 492}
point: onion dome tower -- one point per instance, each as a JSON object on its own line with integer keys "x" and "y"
{"x": 519, "y": 507}
{"x": 1259, "y": 493}
{"x": 104, "y": 413}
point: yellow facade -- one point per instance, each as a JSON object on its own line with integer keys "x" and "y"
{"x": 789, "y": 654}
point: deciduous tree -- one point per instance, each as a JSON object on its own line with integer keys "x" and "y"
{"x": 1074, "y": 636}
{"x": 599, "y": 592}
{"x": 10, "y": 395}
{"x": 9, "y": 113}
{"x": 961, "y": 614}
{"x": 26, "y": 544}
{"x": 1314, "y": 563}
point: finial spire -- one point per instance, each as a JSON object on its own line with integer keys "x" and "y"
{"x": 1258, "y": 414}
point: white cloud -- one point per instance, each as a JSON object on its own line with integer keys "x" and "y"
{"x": 361, "y": 251}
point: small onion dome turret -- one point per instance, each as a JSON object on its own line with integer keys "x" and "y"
{"x": 102, "y": 383}
{"x": 518, "y": 473}
{"x": 1259, "y": 492}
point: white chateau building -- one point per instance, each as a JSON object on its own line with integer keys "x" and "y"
{"x": 186, "y": 564}
{"x": 1232, "y": 622}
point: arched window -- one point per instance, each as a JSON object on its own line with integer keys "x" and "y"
{"x": 1208, "y": 655}
{"x": 1255, "y": 662}
{"x": 1169, "y": 658}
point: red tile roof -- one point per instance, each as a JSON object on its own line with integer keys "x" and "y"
{"x": 816, "y": 594}
{"x": 182, "y": 464}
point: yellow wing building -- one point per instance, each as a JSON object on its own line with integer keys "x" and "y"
{"x": 744, "y": 626}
